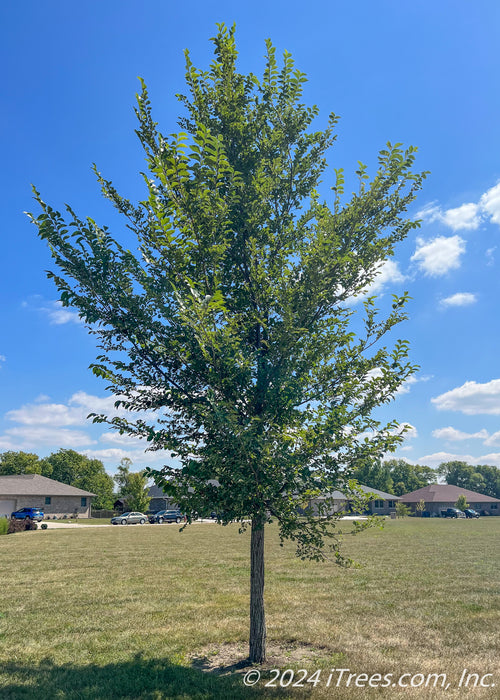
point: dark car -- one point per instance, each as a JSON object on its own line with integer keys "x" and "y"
{"x": 452, "y": 513}
{"x": 167, "y": 516}
{"x": 471, "y": 513}
{"x": 27, "y": 513}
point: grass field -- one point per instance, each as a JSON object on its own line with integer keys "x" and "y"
{"x": 137, "y": 612}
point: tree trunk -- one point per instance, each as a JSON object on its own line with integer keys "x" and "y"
{"x": 257, "y": 614}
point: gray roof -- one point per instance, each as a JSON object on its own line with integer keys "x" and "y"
{"x": 338, "y": 495}
{"x": 157, "y": 492}
{"x": 37, "y": 485}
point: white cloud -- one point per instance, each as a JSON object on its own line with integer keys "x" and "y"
{"x": 440, "y": 255}
{"x": 471, "y": 398}
{"x": 2, "y": 358}
{"x": 405, "y": 388}
{"x": 459, "y": 299}
{"x": 490, "y": 203}
{"x": 59, "y": 315}
{"x": 53, "y": 414}
{"x": 467, "y": 216}
{"x": 389, "y": 273}
{"x": 411, "y": 431}
{"x": 45, "y": 425}
{"x": 433, "y": 460}
{"x": 109, "y": 455}
{"x": 115, "y": 438}
{"x": 75, "y": 412}
{"x": 115, "y": 454}
{"x": 32, "y": 437}
{"x": 453, "y": 435}
{"x": 493, "y": 440}
{"x": 464, "y": 217}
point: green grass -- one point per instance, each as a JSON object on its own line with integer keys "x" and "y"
{"x": 121, "y": 612}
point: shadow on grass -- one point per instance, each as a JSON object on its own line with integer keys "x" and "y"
{"x": 137, "y": 679}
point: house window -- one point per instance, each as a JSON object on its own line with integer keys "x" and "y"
{"x": 392, "y": 504}
{"x": 84, "y": 502}
{"x": 494, "y": 506}
{"x": 379, "y": 504}
{"x": 47, "y": 500}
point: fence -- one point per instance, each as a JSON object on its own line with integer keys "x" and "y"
{"x": 102, "y": 513}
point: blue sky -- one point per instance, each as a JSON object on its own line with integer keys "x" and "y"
{"x": 421, "y": 73}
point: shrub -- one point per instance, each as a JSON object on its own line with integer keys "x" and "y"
{"x": 420, "y": 507}
{"x": 4, "y": 526}
{"x": 461, "y": 503}
{"x": 402, "y": 510}
{"x": 21, "y": 525}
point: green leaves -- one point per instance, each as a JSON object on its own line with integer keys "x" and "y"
{"x": 232, "y": 319}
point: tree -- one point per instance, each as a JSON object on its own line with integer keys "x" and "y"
{"x": 78, "y": 470}
{"x": 408, "y": 477}
{"x": 420, "y": 507}
{"x": 461, "y": 503}
{"x": 133, "y": 486}
{"x": 233, "y": 319}
{"x": 376, "y": 475}
{"x": 122, "y": 475}
{"x": 22, "y": 463}
{"x": 462, "y": 474}
{"x": 137, "y": 497}
{"x": 402, "y": 510}
{"x": 491, "y": 478}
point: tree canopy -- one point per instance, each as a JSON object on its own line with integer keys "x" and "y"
{"x": 133, "y": 486}
{"x": 12, "y": 462}
{"x": 234, "y": 320}
{"x": 482, "y": 478}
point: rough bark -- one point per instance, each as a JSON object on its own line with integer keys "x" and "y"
{"x": 257, "y": 614}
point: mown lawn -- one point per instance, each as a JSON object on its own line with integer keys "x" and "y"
{"x": 93, "y": 613}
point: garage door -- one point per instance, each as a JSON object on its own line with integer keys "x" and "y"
{"x": 6, "y": 507}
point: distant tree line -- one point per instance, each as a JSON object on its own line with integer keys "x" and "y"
{"x": 396, "y": 476}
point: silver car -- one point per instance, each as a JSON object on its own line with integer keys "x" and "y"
{"x": 129, "y": 518}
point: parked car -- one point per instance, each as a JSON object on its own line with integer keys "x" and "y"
{"x": 167, "y": 516}
{"x": 452, "y": 513}
{"x": 24, "y": 513}
{"x": 129, "y": 518}
{"x": 471, "y": 513}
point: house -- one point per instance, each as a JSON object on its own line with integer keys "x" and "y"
{"x": 382, "y": 504}
{"x": 53, "y": 497}
{"x": 159, "y": 499}
{"x": 162, "y": 501}
{"x": 438, "y": 497}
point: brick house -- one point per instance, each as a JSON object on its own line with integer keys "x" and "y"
{"x": 53, "y": 497}
{"x": 438, "y": 497}
{"x": 382, "y": 503}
